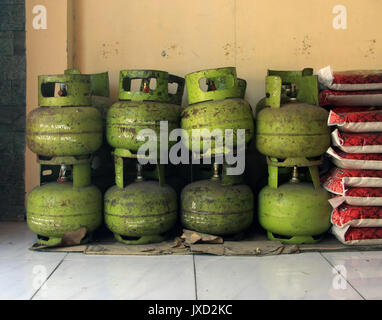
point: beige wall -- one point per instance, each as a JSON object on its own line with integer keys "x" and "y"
{"x": 252, "y": 35}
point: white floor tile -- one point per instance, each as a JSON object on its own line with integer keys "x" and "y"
{"x": 15, "y": 241}
{"x": 20, "y": 279}
{"x": 363, "y": 270}
{"x": 302, "y": 276}
{"x": 127, "y": 277}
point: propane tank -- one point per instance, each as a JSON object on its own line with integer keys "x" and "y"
{"x": 64, "y": 132}
{"x": 143, "y": 211}
{"x": 144, "y": 109}
{"x": 295, "y": 212}
{"x": 213, "y": 207}
{"x": 64, "y": 125}
{"x": 220, "y": 107}
{"x": 293, "y": 130}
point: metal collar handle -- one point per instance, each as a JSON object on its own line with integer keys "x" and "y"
{"x": 160, "y": 93}
{"x": 228, "y": 76}
{"x": 77, "y": 90}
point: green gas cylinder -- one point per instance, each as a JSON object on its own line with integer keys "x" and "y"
{"x": 221, "y": 107}
{"x": 143, "y": 109}
{"x": 212, "y": 207}
{"x": 295, "y": 212}
{"x": 64, "y": 132}
{"x": 66, "y": 124}
{"x": 140, "y": 212}
{"x": 294, "y": 130}
{"x": 57, "y": 208}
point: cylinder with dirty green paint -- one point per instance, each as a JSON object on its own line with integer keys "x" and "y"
{"x": 290, "y": 130}
{"x": 294, "y": 213}
{"x": 212, "y": 208}
{"x": 141, "y": 212}
{"x": 56, "y": 209}
{"x": 66, "y": 124}
{"x": 216, "y": 110}
{"x": 143, "y": 109}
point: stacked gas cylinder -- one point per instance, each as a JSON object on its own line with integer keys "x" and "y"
{"x": 144, "y": 209}
{"x": 293, "y": 135}
{"x": 355, "y": 181}
{"x": 222, "y": 204}
{"x": 65, "y": 132}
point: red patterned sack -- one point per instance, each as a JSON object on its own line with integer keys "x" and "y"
{"x": 350, "y": 98}
{"x": 350, "y": 80}
{"x": 338, "y": 180}
{"x": 365, "y": 161}
{"x": 358, "y": 196}
{"x": 357, "y": 142}
{"x": 352, "y": 216}
{"x": 358, "y": 236}
{"x": 364, "y": 121}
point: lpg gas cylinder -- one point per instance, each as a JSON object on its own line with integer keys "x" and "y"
{"x": 210, "y": 206}
{"x": 142, "y": 211}
{"x": 143, "y": 109}
{"x": 64, "y": 132}
{"x": 294, "y": 130}
{"x": 65, "y": 124}
{"x": 294, "y": 212}
{"x": 220, "y": 107}
{"x": 58, "y": 208}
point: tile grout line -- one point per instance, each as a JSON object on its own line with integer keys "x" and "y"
{"x": 350, "y": 284}
{"x": 47, "y": 278}
{"x": 195, "y": 283}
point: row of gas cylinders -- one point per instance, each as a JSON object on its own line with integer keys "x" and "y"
{"x": 66, "y": 133}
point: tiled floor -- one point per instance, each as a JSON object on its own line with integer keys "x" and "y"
{"x": 31, "y": 275}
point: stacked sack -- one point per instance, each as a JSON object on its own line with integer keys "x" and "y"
{"x": 356, "y": 180}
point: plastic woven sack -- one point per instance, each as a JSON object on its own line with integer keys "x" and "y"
{"x": 357, "y": 142}
{"x": 356, "y": 80}
{"x": 350, "y": 98}
{"x": 338, "y": 180}
{"x": 358, "y": 236}
{"x": 358, "y": 196}
{"x": 356, "y": 121}
{"x": 356, "y": 216}
{"x": 365, "y": 161}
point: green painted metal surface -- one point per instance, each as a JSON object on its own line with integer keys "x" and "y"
{"x": 222, "y": 107}
{"x": 143, "y": 109}
{"x": 210, "y": 207}
{"x": 77, "y": 90}
{"x": 290, "y": 130}
{"x": 230, "y": 88}
{"x": 296, "y": 211}
{"x": 125, "y": 119}
{"x": 55, "y": 209}
{"x": 306, "y": 84}
{"x": 142, "y": 211}
{"x": 70, "y": 131}
{"x": 225, "y": 114}
{"x": 159, "y": 93}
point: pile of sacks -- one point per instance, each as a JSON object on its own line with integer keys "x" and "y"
{"x": 355, "y": 183}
